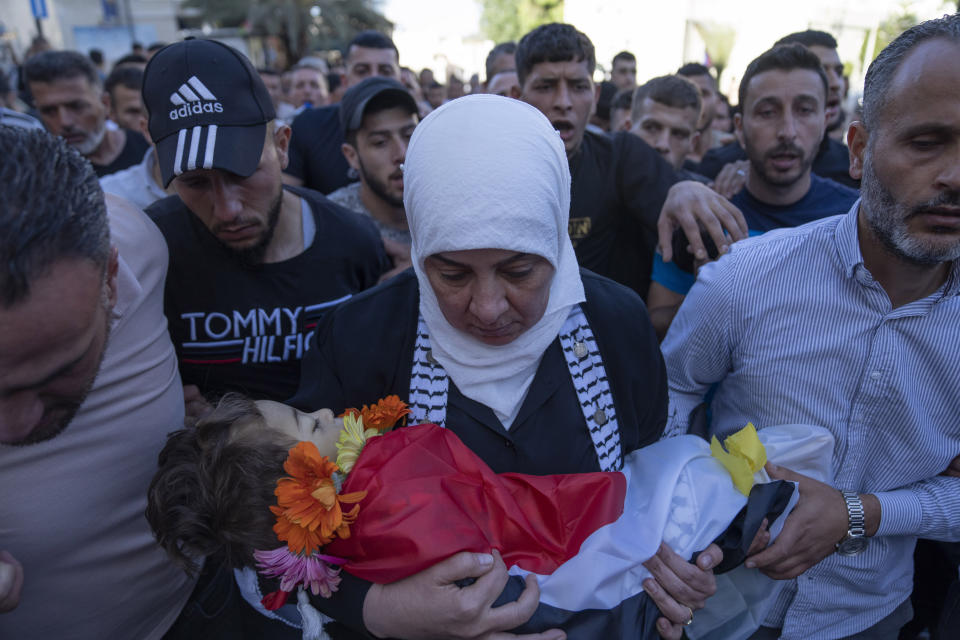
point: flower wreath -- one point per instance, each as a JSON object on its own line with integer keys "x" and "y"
{"x": 311, "y": 512}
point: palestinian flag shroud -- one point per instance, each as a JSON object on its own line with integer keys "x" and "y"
{"x": 429, "y": 497}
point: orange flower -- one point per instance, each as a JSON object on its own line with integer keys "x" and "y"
{"x": 309, "y": 511}
{"x": 381, "y": 416}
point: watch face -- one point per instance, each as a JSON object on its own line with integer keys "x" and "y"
{"x": 852, "y": 546}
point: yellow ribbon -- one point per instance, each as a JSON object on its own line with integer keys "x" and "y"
{"x": 743, "y": 457}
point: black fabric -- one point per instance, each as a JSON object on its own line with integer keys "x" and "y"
{"x": 634, "y": 618}
{"x": 619, "y": 186}
{"x": 832, "y": 161}
{"x": 132, "y": 153}
{"x": 365, "y": 351}
{"x": 245, "y": 328}
{"x": 765, "y": 501}
{"x": 315, "y": 155}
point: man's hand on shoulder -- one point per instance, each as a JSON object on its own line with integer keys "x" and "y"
{"x": 812, "y": 530}
{"x": 679, "y": 587}
{"x": 690, "y": 205}
{"x": 430, "y": 605}
{"x": 11, "y": 582}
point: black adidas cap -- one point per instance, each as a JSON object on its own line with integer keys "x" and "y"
{"x": 207, "y": 108}
{"x": 357, "y": 97}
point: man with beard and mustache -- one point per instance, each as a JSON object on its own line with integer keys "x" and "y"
{"x": 782, "y": 96}
{"x": 832, "y": 159}
{"x": 254, "y": 265}
{"x": 88, "y": 390}
{"x": 851, "y": 322}
{"x": 68, "y": 94}
{"x": 378, "y": 117}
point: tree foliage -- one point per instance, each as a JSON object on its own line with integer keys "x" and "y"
{"x": 303, "y": 25}
{"x": 504, "y": 20}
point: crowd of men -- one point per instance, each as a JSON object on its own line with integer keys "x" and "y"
{"x": 272, "y": 197}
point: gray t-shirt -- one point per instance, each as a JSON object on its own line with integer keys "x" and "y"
{"x": 349, "y": 197}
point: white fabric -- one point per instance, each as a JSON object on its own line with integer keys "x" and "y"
{"x": 676, "y": 493}
{"x": 487, "y": 172}
{"x": 135, "y": 183}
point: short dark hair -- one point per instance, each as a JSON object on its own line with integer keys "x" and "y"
{"x": 212, "y": 491}
{"x": 50, "y": 66}
{"x": 156, "y": 46}
{"x": 607, "y": 92}
{"x": 626, "y": 56}
{"x": 808, "y": 38}
{"x": 266, "y": 71}
{"x": 692, "y": 69}
{"x": 554, "y": 42}
{"x": 333, "y": 81}
{"x": 96, "y": 56}
{"x": 502, "y": 49}
{"x": 52, "y": 209}
{"x": 782, "y": 58}
{"x": 129, "y": 77}
{"x": 130, "y": 58}
{"x": 622, "y": 100}
{"x": 876, "y": 85}
{"x": 371, "y": 39}
{"x": 672, "y": 91}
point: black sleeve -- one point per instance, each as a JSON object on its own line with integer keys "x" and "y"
{"x": 643, "y": 178}
{"x": 320, "y": 385}
{"x": 716, "y": 159}
{"x": 345, "y": 606}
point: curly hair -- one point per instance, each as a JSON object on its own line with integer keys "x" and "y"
{"x": 214, "y": 486}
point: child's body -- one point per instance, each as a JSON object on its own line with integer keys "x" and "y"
{"x": 584, "y": 536}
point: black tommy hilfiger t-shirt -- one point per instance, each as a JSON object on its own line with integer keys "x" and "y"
{"x": 245, "y": 328}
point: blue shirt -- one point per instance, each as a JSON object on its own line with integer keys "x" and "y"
{"x": 823, "y": 198}
{"x": 794, "y": 329}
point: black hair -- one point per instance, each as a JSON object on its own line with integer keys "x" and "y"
{"x": 130, "y": 58}
{"x": 626, "y": 56}
{"x": 371, "y": 39}
{"x": 333, "y": 81}
{"x": 607, "y": 91}
{"x": 266, "y": 71}
{"x": 502, "y": 49}
{"x": 876, "y": 85}
{"x": 783, "y": 58}
{"x": 554, "y": 42}
{"x": 692, "y": 69}
{"x": 809, "y": 38}
{"x": 672, "y": 91}
{"x": 50, "y": 66}
{"x": 53, "y": 208}
{"x": 622, "y": 100}
{"x": 156, "y": 46}
{"x": 129, "y": 77}
{"x": 96, "y": 56}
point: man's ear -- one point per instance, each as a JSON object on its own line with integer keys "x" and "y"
{"x": 857, "y": 138}
{"x": 627, "y": 124}
{"x": 281, "y": 141}
{"x": 738, "y": 129}
{"x": 110, "y": 292}
{"x": 351, "y": 156}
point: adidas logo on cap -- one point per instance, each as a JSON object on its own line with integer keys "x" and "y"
{"x": 193, "y": 98}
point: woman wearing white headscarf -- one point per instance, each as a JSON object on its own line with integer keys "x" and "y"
{"x": 496, "y": 333}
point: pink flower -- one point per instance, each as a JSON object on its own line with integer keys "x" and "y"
{"x": 313, "y": 571}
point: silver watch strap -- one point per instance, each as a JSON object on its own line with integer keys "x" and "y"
{"x": 856, "y": 526}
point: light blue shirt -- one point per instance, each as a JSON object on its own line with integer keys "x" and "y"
{"x": 794, "y": 329}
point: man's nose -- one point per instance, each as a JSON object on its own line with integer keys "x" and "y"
{"x": 227, "y": 201}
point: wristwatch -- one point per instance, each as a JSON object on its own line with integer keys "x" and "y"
{"x": 856, "y": 539}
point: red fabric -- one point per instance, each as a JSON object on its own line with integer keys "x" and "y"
{"x": 429, "y": 497}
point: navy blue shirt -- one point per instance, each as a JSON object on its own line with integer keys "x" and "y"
{"x": 315, "y": 155}
{"x": 824, "y": 198}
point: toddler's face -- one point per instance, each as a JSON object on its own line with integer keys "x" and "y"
{"x": 319, "y": 427}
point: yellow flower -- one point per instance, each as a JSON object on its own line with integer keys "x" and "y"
{"x": 352, "y": 439}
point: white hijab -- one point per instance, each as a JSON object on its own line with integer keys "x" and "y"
{"x": 486, "y": 172}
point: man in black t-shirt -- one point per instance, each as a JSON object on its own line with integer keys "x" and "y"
{"x": 316, "y": 161}
{"x": 253, "y": 266}
{"x": 69, "y": 96}
{"x": 619, "y": 199}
